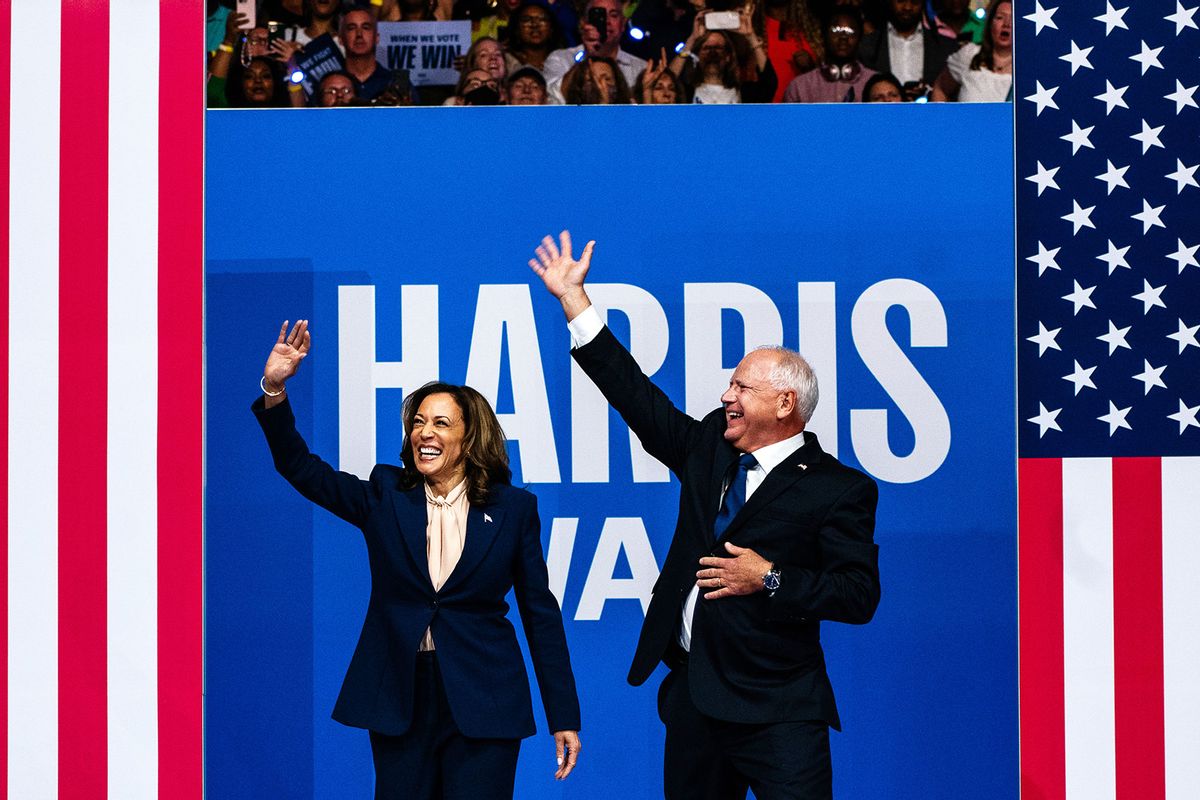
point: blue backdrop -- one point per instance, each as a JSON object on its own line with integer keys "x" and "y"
{"x": 878, "y": 239}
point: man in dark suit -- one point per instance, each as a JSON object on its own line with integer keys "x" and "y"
{"x": 913, "y": 53}
{"x": 773, "y": 536}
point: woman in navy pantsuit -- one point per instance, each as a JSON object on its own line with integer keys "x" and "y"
{"x": 437, "y": 677}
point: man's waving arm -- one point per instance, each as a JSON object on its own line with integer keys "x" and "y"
{"x": 666, "y": 432}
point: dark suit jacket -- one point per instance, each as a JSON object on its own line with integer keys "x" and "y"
{"x": 873, "y": 52}
{"x": 481, "y": 663}
{"x": 754, "y": 658}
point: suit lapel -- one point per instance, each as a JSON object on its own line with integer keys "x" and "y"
{"x": 483, "y": 524}
{"x": 929, "y": 53}
{"x": 412, "y": 519}
{"x": 793, "y": 468}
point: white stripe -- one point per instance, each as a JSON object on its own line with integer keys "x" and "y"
{"x": 33, "y": 402}
{"x": 1181, "y": 645}
{"x": 818, "y": 343}
{"x": 132, "y": 409}
{"x": 1088, "y": 629}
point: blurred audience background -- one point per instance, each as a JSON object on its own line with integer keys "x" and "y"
{"x": 640, "y": 52}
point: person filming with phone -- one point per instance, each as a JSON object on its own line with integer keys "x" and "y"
{"x": 601, "y": 29}
{"x": 712, "y": 65}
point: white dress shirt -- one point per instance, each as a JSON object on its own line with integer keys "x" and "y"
{"x": 768, "y": 458}
{"x": 906, "y": 54}
{"x": 560, "y": 61}
{"x": 583, "y": 329}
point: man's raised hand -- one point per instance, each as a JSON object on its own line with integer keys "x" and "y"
{"x": 562, "y": 274}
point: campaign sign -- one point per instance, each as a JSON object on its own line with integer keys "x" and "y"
{"x": 428, "y": 50}
{"x": 317, "y": 59}
{"x": 896, "y": 282}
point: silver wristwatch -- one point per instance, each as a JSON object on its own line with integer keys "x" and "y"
{"x": 771, "y": 581}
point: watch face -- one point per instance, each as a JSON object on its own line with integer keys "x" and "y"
{"x": 771, "y": 581}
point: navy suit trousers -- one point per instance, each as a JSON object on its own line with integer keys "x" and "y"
{"x": 432, "y": 760}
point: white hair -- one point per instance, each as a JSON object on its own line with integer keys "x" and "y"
{"x": 792, "y": 373}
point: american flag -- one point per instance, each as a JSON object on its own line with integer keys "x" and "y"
{"x": 101, "y": 103}
{"x": 1108, "y": 282}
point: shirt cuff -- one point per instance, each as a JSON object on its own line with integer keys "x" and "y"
{"x": 586, "y": 325}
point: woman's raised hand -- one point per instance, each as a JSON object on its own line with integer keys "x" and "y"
{"x": 285, "y": 357}
{"x": 651, "y": 73}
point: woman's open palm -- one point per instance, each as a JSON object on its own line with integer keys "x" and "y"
{"x": 289, "y": 350}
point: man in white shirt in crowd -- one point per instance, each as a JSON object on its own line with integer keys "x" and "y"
{"x": 596, "y": 43}
{"x": 907, "y": 49}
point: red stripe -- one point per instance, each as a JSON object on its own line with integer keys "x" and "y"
{"x": 180, "y": 322}
{"x": 1138, "y": 628}
{"x": 5, "y": 83}
{"x": 83, "y": 403}
{"x": 1040, "y": 566}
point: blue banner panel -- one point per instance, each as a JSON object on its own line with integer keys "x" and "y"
{"x": 876, "y": 239}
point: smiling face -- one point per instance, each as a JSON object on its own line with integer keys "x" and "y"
{"x": 756, "y": 413}
{"x": 438, "y": 430}
{"x": 841, "y": 39}
{"x": 489, "y": 56}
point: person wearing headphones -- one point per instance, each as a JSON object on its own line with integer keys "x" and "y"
{"x": 841, "y": 77}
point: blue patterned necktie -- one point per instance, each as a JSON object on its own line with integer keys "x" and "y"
{"x": 735, "y": 496}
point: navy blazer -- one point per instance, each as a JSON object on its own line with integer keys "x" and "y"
{"x": 481, "y": 664}
{"x": 754, "y": 658}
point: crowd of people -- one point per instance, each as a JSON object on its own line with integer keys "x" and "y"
{"x": 540, "y": 52}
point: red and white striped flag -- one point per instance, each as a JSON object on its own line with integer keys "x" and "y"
{"x": 102, "y": 104}
{"x": 1110, "y": 701}
{"x": 1108, "y": 311}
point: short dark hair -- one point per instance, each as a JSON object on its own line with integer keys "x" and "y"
{"x": 878, "y": 78}
{"x": 514, "y": 38}
{"x": 843, "y": 11}
{"x": 366, "y": 9}
{"x": 484, "y": 446}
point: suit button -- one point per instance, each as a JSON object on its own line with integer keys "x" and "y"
{"x": 434, "y": 604}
